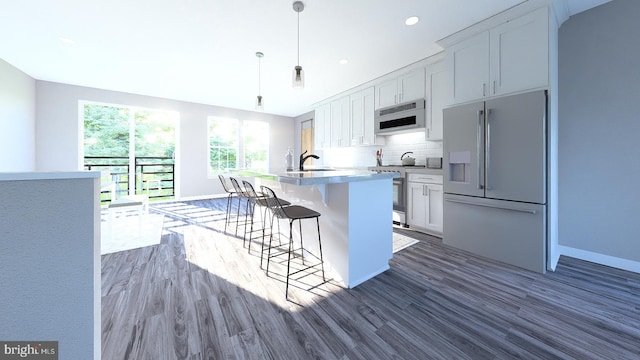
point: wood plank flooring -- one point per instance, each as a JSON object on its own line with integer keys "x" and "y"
{"x": 201, "y": 295}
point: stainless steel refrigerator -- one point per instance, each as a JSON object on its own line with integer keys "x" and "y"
{"x": 495, "y": 183}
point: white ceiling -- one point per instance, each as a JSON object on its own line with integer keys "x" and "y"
{"x": 203, "y": 51}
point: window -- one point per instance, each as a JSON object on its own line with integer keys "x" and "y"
{"x": 223, "y": 144}
{"x": 255, "y": 135}
{"x": 136, "y": 145}
{"x": 237, "y": 144}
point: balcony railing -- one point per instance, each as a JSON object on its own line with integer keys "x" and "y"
{"x": 154, "y": 175}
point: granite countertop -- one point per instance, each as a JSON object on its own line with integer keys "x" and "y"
{"x": 319, "y": 176}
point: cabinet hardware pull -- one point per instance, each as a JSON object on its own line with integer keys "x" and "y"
{"x": 487, "y": 186}
{"x": 478, "y": 143}
{"x": 530, "y": 211}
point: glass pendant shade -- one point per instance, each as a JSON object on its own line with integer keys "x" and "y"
{"x": 298, "y": 77}
{"x": 259, "y": 103}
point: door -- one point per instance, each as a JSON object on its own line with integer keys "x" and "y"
{"x": 411, "y": 85}
{"x": 434, "y": 217}
{"x": 437, "y": 91}
{"x": 515, "y": 147}
{"x": 306, "y": 138}
{"x": 507, "y": 231}
{"x": 520, "y": 53}
{"x": 136, "y": 145}
{"x": 417, "y": 204}
{"x": 322, "y": 126}
{"x": 387, "y": 93}
{"x": 463, "y": 149}
{"x": 469, "y": 60}
{"x": 340, "y": 117}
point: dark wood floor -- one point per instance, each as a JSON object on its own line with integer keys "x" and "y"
{"x": 201, "y": 295}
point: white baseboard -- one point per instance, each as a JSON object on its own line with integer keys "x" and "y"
{"x": 601, "y": 259}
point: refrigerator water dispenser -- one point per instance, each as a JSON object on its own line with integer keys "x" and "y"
{"x": 460, "y": 166}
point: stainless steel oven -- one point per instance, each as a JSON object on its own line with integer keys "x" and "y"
{"x": 399, "y": 196}
{"x": 399, "y": 192}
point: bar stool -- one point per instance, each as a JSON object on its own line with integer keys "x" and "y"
{"x": 242, "y": 194}
{"x": 292, "y": 213}
{"x": 231, "y": 194}
{"x": 259, "y": 199}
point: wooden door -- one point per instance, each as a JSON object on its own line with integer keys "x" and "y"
{"x": 306, "y": 139}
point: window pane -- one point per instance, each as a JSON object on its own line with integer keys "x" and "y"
{"x": 256, "y": 145}
{"x": 223, "y": 144}
{"x": 106, "y": 130}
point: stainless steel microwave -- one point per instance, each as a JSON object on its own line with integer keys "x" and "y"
{"x": 405, "y": 117}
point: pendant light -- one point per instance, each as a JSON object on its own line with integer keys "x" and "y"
{"x": 298, "y": 73}
{"x": 259, "y": 101}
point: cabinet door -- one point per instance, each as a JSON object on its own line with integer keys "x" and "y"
{"x": 322, "y": 126}
{"x": 340, "y": 117}
{"x": 469, "y": 60}
{"x": 387, "y": 93}
{"x": 411, "y": 85}
{"x": 520, "y": 53}
{"x": 434, "y": 208}
{"x": 362, "y": 112}
{"x": 416, "y": 213}
{"x": 357, "y": 118}
{"x": 436, "y": 90}
{"x": 463, "y": 149}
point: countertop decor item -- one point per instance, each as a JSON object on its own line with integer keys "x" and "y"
{"x": 407, "y": 160}
{"x": 288, "y": 159}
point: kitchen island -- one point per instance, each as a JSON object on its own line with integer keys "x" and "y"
{"x": 356, "y": 217}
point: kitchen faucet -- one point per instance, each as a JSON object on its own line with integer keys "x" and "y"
{"x": 304, "y": 158}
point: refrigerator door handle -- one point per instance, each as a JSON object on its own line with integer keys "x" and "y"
{"x": 488, "y": 156}
{"x": 529, "y": 211}
{"x": 479, "y": 147}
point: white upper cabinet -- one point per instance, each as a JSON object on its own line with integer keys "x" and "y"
{"x": 322, "y": 126}
{"x": 510, "y": 57}
{"x": 406, "y": 87}
{"x": 469, "y": 61}
{"x": 340, "y": 122}
{"x": 437, "y": 90}
{"x": 362, "y": 112}
{"x": 520, "y": 53}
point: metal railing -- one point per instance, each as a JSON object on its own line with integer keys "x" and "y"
{"x": 154, "y": 175}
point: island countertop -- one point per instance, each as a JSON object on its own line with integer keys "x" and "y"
{"x": 318, "y": 176}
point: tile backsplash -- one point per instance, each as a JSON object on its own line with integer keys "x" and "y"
{"x": 395, "y": 146}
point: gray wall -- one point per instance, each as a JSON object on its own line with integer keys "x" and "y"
{"x": 50, "y": 277}
{"x": 58, "y": 132}
{"x": 599, "y": 134}
{"x": 17, "y": 119}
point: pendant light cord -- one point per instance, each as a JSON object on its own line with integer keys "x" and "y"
{"x": 298, "y": 38}
{"x": 259, "y": 73}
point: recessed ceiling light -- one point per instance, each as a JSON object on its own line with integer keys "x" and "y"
{"x": 412, "y": 20}
{"x": 343, "y": 61}
{"x": 67, "y": 40}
